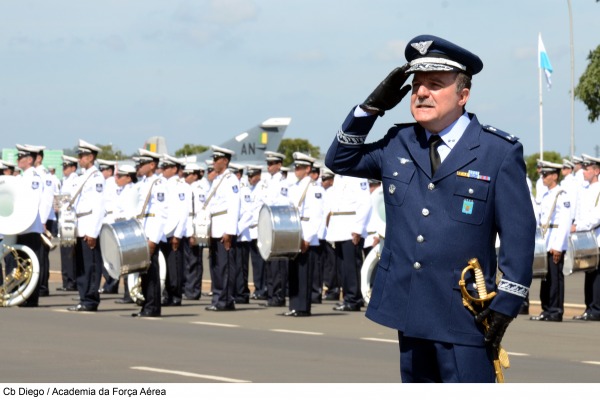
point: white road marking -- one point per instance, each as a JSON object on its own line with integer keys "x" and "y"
{"x": 591, "y": 362}
{"x": 215, "y": 324}
{"x": 298, "y": 332}
{"x": 372, "y": 339}
{"x": 510, "y": 353}
{"x": 190, "y": 374}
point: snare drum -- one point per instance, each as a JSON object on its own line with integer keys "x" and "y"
{"x": 124, "y": 248}
{"x": 583, "y": 249}
{"x": 540, "y": 257}
{"x": 202, "y": 227}
{"x": 279, "y": 231}
{"x": 67, "y": 221}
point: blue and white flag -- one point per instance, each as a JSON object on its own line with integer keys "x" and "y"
{"x": 544, "y": 61}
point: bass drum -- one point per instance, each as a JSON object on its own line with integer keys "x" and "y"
{"x": 582, "y": 251}
{"x": 279, "y": 232}
{"x": 540, "y": 256}
{"x": 124, "y": 248}
{"x": 367, "y": 271}
{"x": 18, "y": 284}
{"x": 134, "y": 280}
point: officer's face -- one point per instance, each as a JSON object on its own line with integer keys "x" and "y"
{"x": 301, "y": 171}
{"x": 434, "y": 102}
{"x": 550, "y": 179}
{"x": 590, "y": 173}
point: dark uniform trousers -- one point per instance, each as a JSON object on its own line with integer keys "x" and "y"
{"x": 223, "y": 280}
{"x": 34, "y": 242}
{"x": 277, "y": 270}
{"x": 349, "y": 257}
{"x": 88, "y": 267}
{"x": 316, "y": 291}
{"x": 111, "y": 285}
{"x": 331, "y": 275}
{"x": 591, "y": 290}
{"x": 426, "y": 361}
{"x": 242, "y": 267}
{"x": 193, "y": 268}
{"x": 300, "y": 276}
{"x": 67, "y": 264}
{"x": 552, "y": 288}
{"x": 151, "y": 286}
{"x": 173, "y": 282}
{"x": 45, "y": 262}
{"x": 258, "y": 270}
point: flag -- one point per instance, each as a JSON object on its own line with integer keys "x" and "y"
{"x": 544, "y": 61}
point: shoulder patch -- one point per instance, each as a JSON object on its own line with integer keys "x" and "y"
{"x": 502, "y": 134}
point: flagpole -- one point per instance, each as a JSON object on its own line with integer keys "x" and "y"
{"x": 541, "y": 108}
{"x": 572, "y": 81}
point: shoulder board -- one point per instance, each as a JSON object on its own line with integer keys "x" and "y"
{"x": 502, "y": 134}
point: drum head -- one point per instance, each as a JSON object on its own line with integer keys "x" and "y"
{"x": 279, "y": 231}
{"x": 111, "y": 255}
{"x": 265, "y": 232}
{"x": 18, "y": 208}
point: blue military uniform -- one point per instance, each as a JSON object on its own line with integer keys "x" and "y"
{"x": 438, "y": 222}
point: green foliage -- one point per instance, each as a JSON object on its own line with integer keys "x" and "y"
{"x": 289, "y": 146}
{"x": 588, "y": 88}
{"x": 531, "y": 162}
{"x": 108, "y": 153}
{"x": 190, "y": 149}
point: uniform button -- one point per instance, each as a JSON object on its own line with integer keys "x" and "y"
{"x": 417, "y": 265}
{"x": 395, "y": 174}
{"x": 431, "y": 186}
{"x": 425, "y": 212}
{"x": 420, "y": 238}
{"x": 471, "y": 191}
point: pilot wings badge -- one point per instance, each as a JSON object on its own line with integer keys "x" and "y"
{"x": 422, "y": 47}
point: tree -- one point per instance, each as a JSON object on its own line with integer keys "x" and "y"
{"x": 289, "y": 146}
{"x": 588, "y": 88}
{"x": 190, "y": 149}
{"x": 531, "y": 163}
{"x": 108, "y": 153}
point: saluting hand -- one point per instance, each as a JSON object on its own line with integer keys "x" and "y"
{"x": 389, "y": 92}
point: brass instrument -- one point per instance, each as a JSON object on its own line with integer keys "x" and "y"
{"x": 476, "y": 305}
{"x": 18, "y": 284}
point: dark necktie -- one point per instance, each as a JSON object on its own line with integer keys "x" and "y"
{"x": 434, "y": 156}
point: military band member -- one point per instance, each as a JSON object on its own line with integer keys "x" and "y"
{"x": 588, "y": 218}
{"x": 178, "y": 209}
{"x": 451, "y": 186}
{"x": 224, "y": 206}
{"x": 275, "y": 193}
{"x": 555, "y": 219}
{"x": 31, "y": 238}
{"x": 307, "y": 196}
{"x": 90, "y": 211}
{"x": 7, "y": 168}
{"x": 242, "y": 246}
{"x": 375, "y": 226}
{"x": 348, "y": 214}
{"x": 331, "y": 273}
{"x": 67, "y": 253}
{"x": 317, "y": 266}
{"x": 152, "y": 213}
{"x": 256, "y": 189}
{"x": 578, "y": 170}
{"x": 194, "y": 263}
{"x": 107, "y": 169}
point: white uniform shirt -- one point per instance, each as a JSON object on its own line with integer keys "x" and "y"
{"x": 154, "y": 216}
{"x": 349, "y": 208}
{"x": 310, "y": 208}
{"x": 588, "y": 213}
{"x": 49, "y": 189}
{"x": 178, "y": 207}
{"x": 224, "y": 206}
{"x": 110, "y": 198}
{"x": 573, "y": 188}
{"x": 559, "y": 220}
{"x": 69, "y": 184}
{"x": 326, "y": 209}
{"x": 200, "y": 190}
{"x": 89, "y": 205}
{"x": 375, "y": 225}
{"x": 247, "y": 205}
{"x": 275, "y": 190}
{"x": 126, "y": 202}
{"x": 32, "y": 183}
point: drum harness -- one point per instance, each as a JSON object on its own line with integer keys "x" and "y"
{"x": 212, "y": 193}
{"x": 142, "y": 215}
{"x": 77, "y": 196}
{"x": 302, "y": 198}
{"x": 547, "y": 225}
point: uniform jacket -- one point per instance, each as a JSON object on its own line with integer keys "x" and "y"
{"x": 435, "y": 225}
{"x": 588, "y": 214}
{"x": 32, "y": 184}
{"x": 154, "y": 215}
{"x": 89, "y": 205}
{"x": 224, "y": 206}
{"x": 349, "y": 208}
{"x": 555, "y": 211}
{"x": 310, "y": 209}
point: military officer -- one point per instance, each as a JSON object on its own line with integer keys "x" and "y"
{"x": 307, "y": 196}
{"x": 331, "y": 275}
{"x": 224, "y": 206}
{"x": 588, "y": 218}
{"x": 448, "y": 198}
{"x": 348, "y": 216}
{"x": 242, "y": 246}
{"x": 31, "y": 237}
{"x": 578, "y": 170}
{"x": 255, "y": 189}
{"x": 7, "y": 168}
{"x": 107, "y": 169}
{"x": 152, "y": 213}
{"x": 89, "y": 207}
{"x": 193, "y": 265}
{"x": 178, "y": 209}
{"x": 67, "y": 253}
{"x": 555, "y": 219}
{"x": 275, "y": 192}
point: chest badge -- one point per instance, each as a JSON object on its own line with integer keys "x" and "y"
{"x": 392, "y": 188}
{"x": 467, "y": 207}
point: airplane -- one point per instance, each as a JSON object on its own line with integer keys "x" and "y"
{"x": 249, "y": 146}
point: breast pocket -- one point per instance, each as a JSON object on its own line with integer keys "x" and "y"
{"x": 395, "y": 185}
{"x": 469, "y": 200}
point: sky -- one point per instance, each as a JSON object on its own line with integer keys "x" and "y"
{"x": 202, "y": 71}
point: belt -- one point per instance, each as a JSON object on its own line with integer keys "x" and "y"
{"x": 83, "y": 214}
{"x": 219, "y": 213}
{"x": 253, "y": 226}
{"x": 342, "y": 213}
{"x": 109, "y": 212}
{"x": 371, "y": 233}
{"x": 147, "y": 215}
{"x": 192, "y": 214}
{"x": 551, "y": 226}
{"x": 304, "y": 218}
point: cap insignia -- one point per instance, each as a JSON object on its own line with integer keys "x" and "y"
{"x": 422, "y": 47}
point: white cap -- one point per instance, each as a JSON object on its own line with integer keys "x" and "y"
{"x": 221, "y": 152}
{"x": 68, "y": 160}
{"x": 126, "y": 169}
{"x": 192, "y": 167}
{"x": 273, "y": 156}
{"x": 168, "y": 160}
{"x": 147, "y": 156}
{"x": 234, "y": 167}
{"x": 303, "y": 159}
{"x": 84, "y": 147}
{"x": 27, "y": 150}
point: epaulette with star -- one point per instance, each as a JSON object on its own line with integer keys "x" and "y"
{"x": 502, "y": 134}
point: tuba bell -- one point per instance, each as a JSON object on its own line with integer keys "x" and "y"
{"x": 20, "y": 266}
